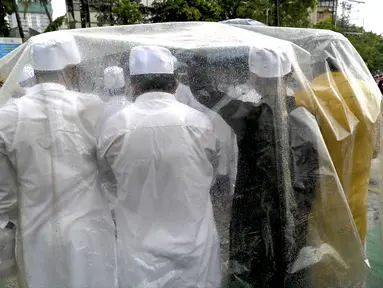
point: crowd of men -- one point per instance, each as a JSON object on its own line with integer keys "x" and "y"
{"x": 118, "y": 194}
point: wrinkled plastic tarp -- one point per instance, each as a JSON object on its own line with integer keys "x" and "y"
{"x": 241, "y": 21}
{"x": 347, "y": 105}
{"x": 280, "y": 207}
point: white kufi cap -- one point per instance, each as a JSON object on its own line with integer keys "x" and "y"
{"x": 268, "y": 63}
{"x": 27, "y": 73}
{"x": 54, "y": 51}
{"x": 114, "y": 78}
{"x": 151, "y": 60}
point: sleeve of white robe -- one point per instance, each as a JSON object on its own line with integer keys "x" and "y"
{"x": 107, "y": 137}
{"x": 91, "y": 113}
{"x": 8, "y": 195}
{"x": 8, "y": 189}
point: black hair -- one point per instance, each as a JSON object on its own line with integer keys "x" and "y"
{"x": 154, "y": 83}
{"x": 47, "y": 76}
{"x": 333, "y": 64}
{"x": 54, "y": 76}
{"x": 118, "y": 91}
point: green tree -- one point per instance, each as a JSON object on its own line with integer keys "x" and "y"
{"x": 368, "y": 44}
{"x": 112, "y": 12}
{"x": 292, "y": 13}
{"x": 5, "y": 9}
{"x": 104, "y": 9}
{"x": 56, "y": 24}
{"x": 344, "y": 20}
{"x": 370, "y": 47}
{"x": 185, "y": 10}
{"x": 128, "y": 12}
{"x": 296, "y": 13}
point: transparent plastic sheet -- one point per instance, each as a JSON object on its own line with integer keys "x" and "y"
{"x": 279, "y": 208}
{"x": 345, "y": 83}
{"x": 347, "y": 107}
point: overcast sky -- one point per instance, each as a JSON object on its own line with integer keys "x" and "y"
{"x": 370, "y": 14}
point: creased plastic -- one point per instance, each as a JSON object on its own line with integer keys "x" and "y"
{"x": 347, "y": 105}
{"x": 248, "y": 176}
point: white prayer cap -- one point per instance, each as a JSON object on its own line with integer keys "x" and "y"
{"x": 268, "y": 63}
{"x": 151, "y": 60}
{"x": 27, "y": 73}
{"x": 114, "y": 78}
{"x": 54, "y": 51}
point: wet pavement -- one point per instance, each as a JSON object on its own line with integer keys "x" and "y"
{"x": 373, "y": 195}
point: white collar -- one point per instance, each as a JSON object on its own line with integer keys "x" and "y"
{"x": 150, "y": 96}
{"x": 46, "y": 87}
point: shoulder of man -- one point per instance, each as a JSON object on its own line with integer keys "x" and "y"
{"x": 193, "y": 116}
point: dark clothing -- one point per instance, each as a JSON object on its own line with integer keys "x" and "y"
{"x": 263, "y": 244}
{"x": 380, "y": 85}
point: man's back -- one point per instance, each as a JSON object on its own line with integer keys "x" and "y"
{"x": 51, "y": 144}
{"x": 161, "y": 153}
{"x": 54, "y": 143}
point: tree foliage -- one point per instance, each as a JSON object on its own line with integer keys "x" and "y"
{"x": 296, "y": 13}
{"x": 370, "y": 47}
{"x": 6, "y": 8}
{"x": 292, "y": 13}
{"x": 104, "y": 10}
{"x": 185, "y": 10}
{"x": 368, "y": 44}
{"x": 56, "y": 24}
{"x": 113, "y": 12}
{"x": 9, "y": 7}
{"x": 128, "y": 12}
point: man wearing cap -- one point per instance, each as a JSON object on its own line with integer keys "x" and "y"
{"x": 274, "y": 169}
{"x": 26, "y": 81}
{"x": 348, "y": 112}
{"x": 65, "y": 230}
{"x": 163, "y": 155}
{"x": 27, "y": 77}
{"x": 114, "y": 86}
{"x": 225, "y": 177}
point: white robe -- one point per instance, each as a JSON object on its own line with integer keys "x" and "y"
{"x": 163, "y": 155}
{"x": 65, "y": 230}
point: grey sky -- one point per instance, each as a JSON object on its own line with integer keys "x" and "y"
{"x": 372, "y": 14}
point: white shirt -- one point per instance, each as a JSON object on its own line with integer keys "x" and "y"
{"x": 49, "y": 137}
{"x": 162, "y": 153}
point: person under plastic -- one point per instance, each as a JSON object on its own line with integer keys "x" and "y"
{"x": 27, "y": 78}
{"x": 114, "y": 85}
{"x": 348, "y": 113}
{"x": 116, "y": 99}
{"x": 264, "y": 244}
{"x": 8, "y": 216}
{"x": 65, "y": 229}
{"x": 26, "y": 81}
{"x": 225, "y": 178}
{"x": 163, "y": 154}
{"x": 380, "y": 86}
